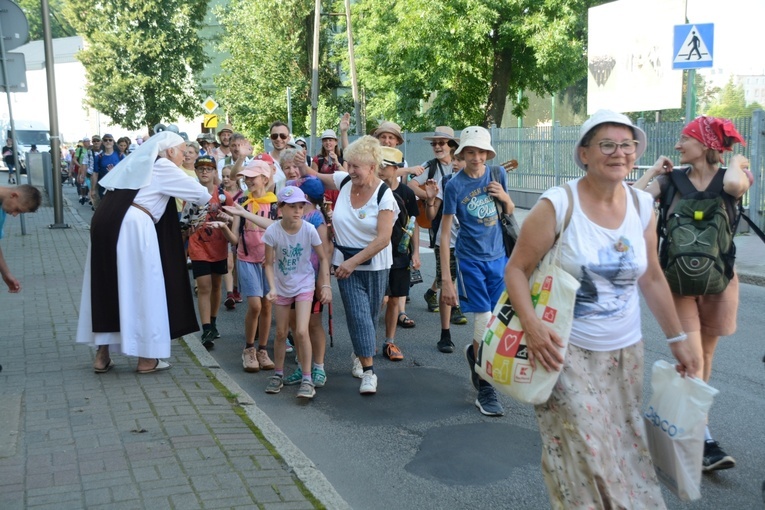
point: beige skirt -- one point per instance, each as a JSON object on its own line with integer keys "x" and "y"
{"x": 594, "y": 449}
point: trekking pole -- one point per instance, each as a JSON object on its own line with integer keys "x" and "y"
{"x": 331, "y": 326}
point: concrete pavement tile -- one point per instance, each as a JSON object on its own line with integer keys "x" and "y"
{"x": 187, "y": 501}
{"x": 106, "y": 479}
{"x": 125, "y": 492}
{"x": 61, "y": 494}
{"x": 267, "y": 462}
{"x": 67, "y": 477}
{"x": 145, "y": 474}
{"x": 204, "y": 482}
{"x": 163, "y": 493}
{"x": 213, "y": 500}
{"x": 289, "y": 505}
{"x": 39, "y": 481}
{"x": 290, "y": 492}
{"x": 100, "y": 496}
{"x": 12, "y": 500}
{"x": 265, "y": 493}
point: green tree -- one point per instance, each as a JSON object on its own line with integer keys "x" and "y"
{"x": 463, "y": 59}
{"x": 731, "y": 103}
{"x": 270, "y": 47}
{"x": 59, "y": 26}
{"x": 143, "y": 59}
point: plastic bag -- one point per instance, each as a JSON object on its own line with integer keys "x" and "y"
{"x": 674, "y": 422}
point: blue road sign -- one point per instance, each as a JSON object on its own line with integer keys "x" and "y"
{"x": 693, "y": 46}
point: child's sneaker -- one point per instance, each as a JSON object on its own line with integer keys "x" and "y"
{"x": 274, "y": 384}
{"x": 458, "y": 317}
{"x": 306, "y": 389}
{"x": 208, "y": 339}
{"x": 250, "y": 360}
{"x": 294, "y": 378}
{"x": 319, "y": 377}
{"x": 229, "y": 303}
{"x": 264, "y": 361}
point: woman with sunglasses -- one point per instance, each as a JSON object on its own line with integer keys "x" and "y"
{"x": 329, "y": 161}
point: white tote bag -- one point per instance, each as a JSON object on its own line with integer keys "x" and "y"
{"x": 502, "y": 357}
{"x": 674, "y": 423}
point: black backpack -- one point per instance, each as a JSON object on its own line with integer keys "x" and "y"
{"x": 697, "y": 251}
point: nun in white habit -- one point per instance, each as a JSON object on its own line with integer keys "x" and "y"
{"x": 136, "y": 294}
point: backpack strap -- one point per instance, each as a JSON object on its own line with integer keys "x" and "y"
{"x": 380, "y": 191}
{"x": 495, "y": 176}
{"x": 635, "y": 199}
{"x": 434, "y": 165}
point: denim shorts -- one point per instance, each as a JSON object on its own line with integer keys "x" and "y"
{"x": 480, "y": 284}
{"x": 252, "y": 279}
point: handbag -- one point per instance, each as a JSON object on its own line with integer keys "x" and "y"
{"x": 502, "y": 357}
{"x": 415, "y": 277}
{"x": 674, "y": 424}
{"x": 508, "y": 223}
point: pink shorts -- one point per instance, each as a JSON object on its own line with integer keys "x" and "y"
{"x": 713, "y": 314}
{"x": 303, "y": 296}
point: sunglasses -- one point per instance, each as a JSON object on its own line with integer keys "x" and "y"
{"x": 108, "y": 140}
{"x": 275, "y": 136}
{"x": 439, "y": 143}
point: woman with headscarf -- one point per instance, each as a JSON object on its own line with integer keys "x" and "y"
{"x": 594, "y": 450}
{"x": 136, "y": 294}
{"x": 705, "y": 318}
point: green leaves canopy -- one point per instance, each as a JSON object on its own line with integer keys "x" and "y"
{"x": 431, "y": 62}
{"x": 142, "y": 58}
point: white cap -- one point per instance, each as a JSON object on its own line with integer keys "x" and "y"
{"x": 603, "y": 117}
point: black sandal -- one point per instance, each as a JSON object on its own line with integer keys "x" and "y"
{"x": 404, "y": 321}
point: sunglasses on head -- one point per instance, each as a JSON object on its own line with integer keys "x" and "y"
{"x": 439, "y": 143}
{"x": 275, "y": 136}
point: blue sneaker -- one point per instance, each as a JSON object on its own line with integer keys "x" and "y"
{"x": 295, "y": 377}
{"x": 319, "y": 377}
{"x": 470, "y": 357}
{"x": 487, "y": 402}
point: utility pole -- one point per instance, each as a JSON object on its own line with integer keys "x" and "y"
{"x": 315, "y": 74}
{"x": 352, "y": 62}
{"x": 55, "y": 141}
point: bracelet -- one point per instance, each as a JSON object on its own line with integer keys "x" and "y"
{"x": 326, "y": 287}
{"x": 679, "y": 338}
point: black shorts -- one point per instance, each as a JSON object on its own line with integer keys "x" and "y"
{"x": 398, "y": 283}
{"x": 452, "y": 265}
{"x": 202, "y": 268}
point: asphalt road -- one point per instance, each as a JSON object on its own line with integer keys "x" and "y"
{"x": 420, "y": 443}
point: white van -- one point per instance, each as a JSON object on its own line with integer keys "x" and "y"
{"x": 28, "y": 133}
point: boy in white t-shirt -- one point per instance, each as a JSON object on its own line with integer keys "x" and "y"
{"x": 291, "y": 279}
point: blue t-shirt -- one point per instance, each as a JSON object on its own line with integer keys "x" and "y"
{"x": 105, "y": 163}
{"x": 2, "y": 220}
{"x": 468, "y": 199}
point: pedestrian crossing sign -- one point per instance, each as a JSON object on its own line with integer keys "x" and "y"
{"x": 693, "y": 46}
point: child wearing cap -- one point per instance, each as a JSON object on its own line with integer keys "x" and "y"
{"x": 314, "y": 213}
{"x": 256, "y": 213}
{"x": 208, "y": 250}
{"x": 292, "y": 280}
{"x": 470, "y": 197}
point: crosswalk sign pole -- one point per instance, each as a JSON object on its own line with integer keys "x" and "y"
{"x": 690, "y": 96}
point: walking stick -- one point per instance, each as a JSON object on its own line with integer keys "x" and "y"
{"x": 331, "y": 327}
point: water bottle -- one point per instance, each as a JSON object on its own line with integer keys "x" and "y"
{"x": 403, "y": 245}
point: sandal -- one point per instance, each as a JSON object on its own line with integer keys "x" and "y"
{"x": 404, "y": 321}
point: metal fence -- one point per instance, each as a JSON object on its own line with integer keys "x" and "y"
{"x": 545, "y": 155}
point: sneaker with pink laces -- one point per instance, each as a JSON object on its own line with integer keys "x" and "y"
{"x": 250, "y": 360}
{"x": 264, "y": 361}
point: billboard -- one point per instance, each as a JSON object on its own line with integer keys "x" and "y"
{"x": 629, "y": 56}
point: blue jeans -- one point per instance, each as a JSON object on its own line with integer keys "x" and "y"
{"x": 363, "y": 294}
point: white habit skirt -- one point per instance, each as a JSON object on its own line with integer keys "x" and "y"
{"x": 144, "y": 324}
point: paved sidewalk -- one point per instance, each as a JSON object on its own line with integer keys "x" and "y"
{"x": 71, "y": 439}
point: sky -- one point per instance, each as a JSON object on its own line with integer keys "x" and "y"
{"x": 739, "y": 47}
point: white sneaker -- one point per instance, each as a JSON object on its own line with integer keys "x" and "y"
{"x": 368, "y": 383}
{"x": 357, "y": 369}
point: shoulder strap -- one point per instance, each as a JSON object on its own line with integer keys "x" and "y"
{"x": 569, "y": 209}
{"x": 381, "y": 192}
{"x": 433, "y": 165}
{"x": 495, "y": 176}
{"x": 751, "y": 223}
{"x": 635, "y": 199}
{"x": 682, "y": 183}
{"x": 344, "y": 182}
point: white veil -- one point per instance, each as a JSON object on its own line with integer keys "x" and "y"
{"x": 134, "y": 172}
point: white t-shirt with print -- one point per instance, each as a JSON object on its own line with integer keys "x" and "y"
{"x": 607, "y": 263}
{"x": 293, "y": 271}
{"x": 357, "y": 228}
